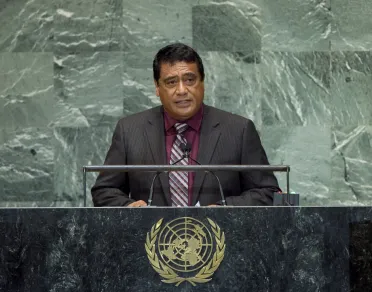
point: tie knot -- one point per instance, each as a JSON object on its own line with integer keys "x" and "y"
{"x": 181, "y": 127}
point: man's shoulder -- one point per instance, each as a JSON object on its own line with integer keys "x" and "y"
{"x": 140, "y": 118}
{"x": 228, "y": 118}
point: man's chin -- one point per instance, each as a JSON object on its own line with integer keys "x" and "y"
{"x": 184, "y": 114}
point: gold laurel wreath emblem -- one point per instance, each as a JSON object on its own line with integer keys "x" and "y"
{"x": 170, "y": 276}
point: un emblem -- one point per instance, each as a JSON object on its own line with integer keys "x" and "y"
{"x": 185, "y": 249}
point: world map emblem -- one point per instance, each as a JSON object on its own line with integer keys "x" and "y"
{"x": 185, "y": 250}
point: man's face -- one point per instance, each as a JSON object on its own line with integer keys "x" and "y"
{"x": 180, "y": 89}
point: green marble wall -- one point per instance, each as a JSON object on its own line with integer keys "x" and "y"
{"x": 300, "y": 69}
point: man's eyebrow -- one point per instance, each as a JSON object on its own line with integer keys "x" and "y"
{"x": 170, "y": 77}
{"x": 189, "y": 74}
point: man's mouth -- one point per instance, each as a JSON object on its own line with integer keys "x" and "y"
{"x": 183, "y": 103}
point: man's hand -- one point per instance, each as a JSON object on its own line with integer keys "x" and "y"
{"x": 139, "y": 203}
{"x": 213, "y": 205}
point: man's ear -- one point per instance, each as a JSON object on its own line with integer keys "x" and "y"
{"x": 156, "y": 88}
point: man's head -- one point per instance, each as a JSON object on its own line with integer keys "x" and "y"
{"x": 179, "y": 80}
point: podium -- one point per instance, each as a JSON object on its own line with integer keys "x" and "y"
{"x": 251, "y": 249}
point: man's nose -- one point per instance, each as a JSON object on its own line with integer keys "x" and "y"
{"x": 181, "y": 88}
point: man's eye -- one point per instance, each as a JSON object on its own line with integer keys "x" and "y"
{"x": 190, "y": 80}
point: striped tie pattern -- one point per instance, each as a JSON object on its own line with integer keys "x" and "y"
{"x": 178, "y": 180}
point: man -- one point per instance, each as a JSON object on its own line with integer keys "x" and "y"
{"x": 159, "y": 136}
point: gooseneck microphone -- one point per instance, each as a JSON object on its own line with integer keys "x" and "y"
{"x": 151, "y": 194}
{"x": 186, "y": 148}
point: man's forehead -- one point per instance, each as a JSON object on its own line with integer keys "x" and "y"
{"x": 167, "y": 68}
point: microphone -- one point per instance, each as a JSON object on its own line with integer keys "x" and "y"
{"x": 151, "y": 194}
{"x": 186, "y": 148}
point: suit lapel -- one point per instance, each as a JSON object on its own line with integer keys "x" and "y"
{"x": 209, "y": 135}
{"x": 156, "y": 138}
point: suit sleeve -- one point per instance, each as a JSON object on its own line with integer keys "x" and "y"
{"x": 258, "y": 187}
{"x": 112, "y": 188}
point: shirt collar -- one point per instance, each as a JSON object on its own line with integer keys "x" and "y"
{"x": 194, "y": 122}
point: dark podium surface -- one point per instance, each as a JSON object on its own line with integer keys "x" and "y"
{"x": 267, "y": 249}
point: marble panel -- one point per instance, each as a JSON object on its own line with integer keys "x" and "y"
{"x": 75, "y": 35}
{"x": 295, "y": 88}
{"x": 351, "y": 163}
{"x": 26, "y": 25}
{"x": 149, "y": 24}
{"x": 351, "y": 88}
{"x": 74, "y": 148}
{"x": 282, "y": 25}
{"x": 231, "y": 83}
{"x": 26, "y": 90}
{"x": 231, "y": 26}
{"x": 351, "y": 25}
{"x": 83, "y": 25}
{"x": 138, "y": 81}
{"x": 26, "y": 166}
{"x": 90, "y": 84}
{"x": 307, "y": 150}
{"x": 296, "y": 25}
{"x": 24, "y": 73}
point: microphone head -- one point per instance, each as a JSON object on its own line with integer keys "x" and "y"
{"x": 186, "y": 147}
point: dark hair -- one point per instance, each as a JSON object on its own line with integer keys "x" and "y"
{"x": 173, "y": 53}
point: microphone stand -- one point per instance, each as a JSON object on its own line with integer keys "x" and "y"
{"x": 186, "y": 148}
{"x": 187, "y": 151}
{"x": 149, "y": 201}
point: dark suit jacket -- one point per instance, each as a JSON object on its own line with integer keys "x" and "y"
{"x": 224, "y": 139}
